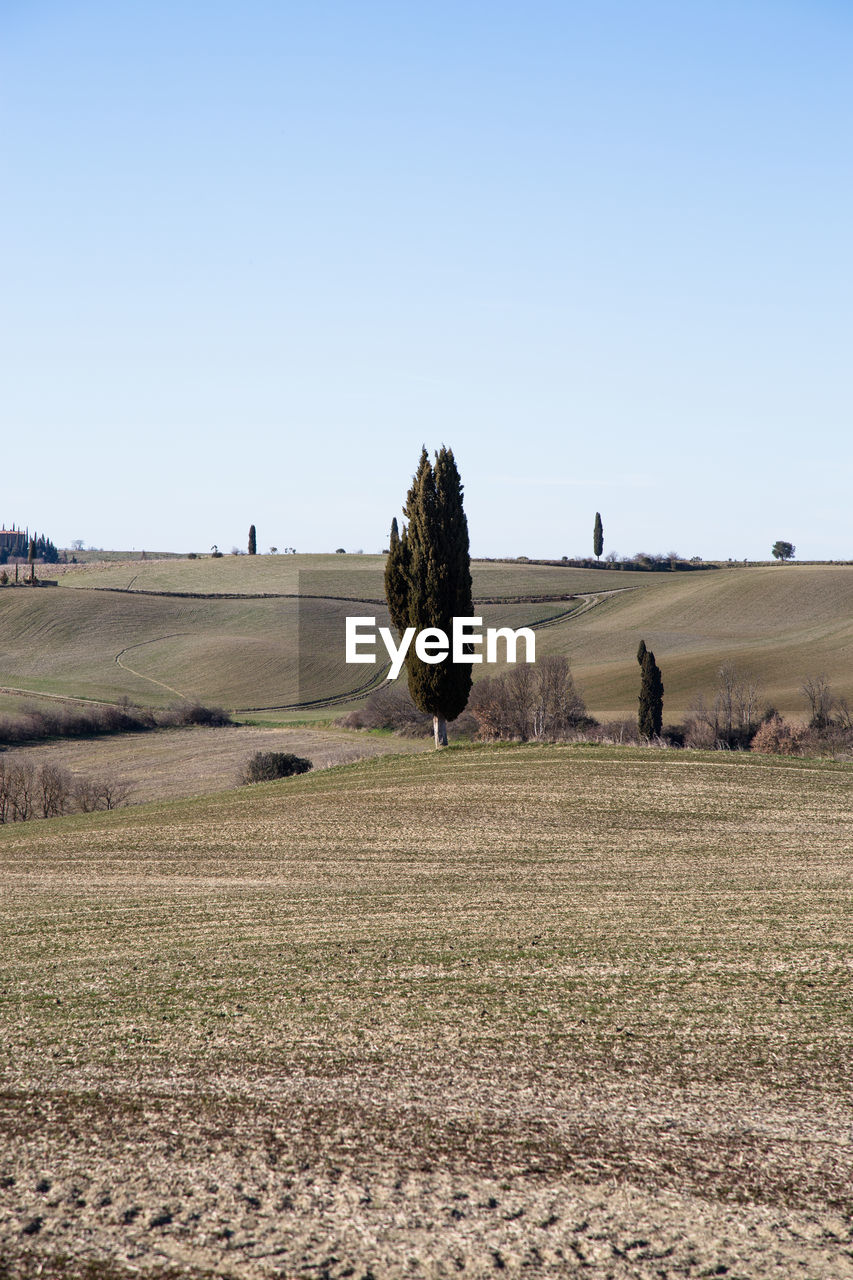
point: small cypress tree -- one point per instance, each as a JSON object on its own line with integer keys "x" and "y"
{"x": 598, "y": 536}
{"x": 650, "y": 717}
{"x": 253, "y": 541}
{"x": 641, "y": 652}
{"x": 397, "y": 577}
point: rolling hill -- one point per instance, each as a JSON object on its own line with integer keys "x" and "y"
{"x": 264, "y": 634}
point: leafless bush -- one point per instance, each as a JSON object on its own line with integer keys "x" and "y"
{"x": 391, "y": 707}
{"x": 54, "y": 790}
{"x": 779, "y": 737}
{"x": 539, "y": 702}
{"x": 612, "y": 733}
{"x": 821, "y": 702}
{"x": 68, "y": 721}
{"x": 47, "y": 791}
{"x": 101, "y": 793}
{"x": 182, "y": 714}
{"x": 731, "y": 719}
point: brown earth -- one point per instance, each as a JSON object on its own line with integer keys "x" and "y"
{"x": 519, "y": 1011}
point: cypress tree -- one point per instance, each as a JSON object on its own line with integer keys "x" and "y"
{"x": 397, "y": 578}
{"x": 253, "y": 542}
{"x": 598, "y": 536}
{"x": 641, "y": 652}
{"x": 428, "y": 583}
{"x": 650, "y": 717}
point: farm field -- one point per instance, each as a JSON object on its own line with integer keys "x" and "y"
{"x": 348, "y": 576}
{"x": 234, "y": 632}
{"x": 246, "y": 654}
{"x": 571, "y": 1011}
{"x": 174, "y": 763}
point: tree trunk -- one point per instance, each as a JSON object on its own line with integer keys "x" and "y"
{"x": 439, "y": 725}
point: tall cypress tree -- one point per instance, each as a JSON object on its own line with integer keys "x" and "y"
{"x": 253, "y": 542}
{"x": 428, "y": 583}
{"x": 650, "y": 717}
{"x": 598, "y": 536}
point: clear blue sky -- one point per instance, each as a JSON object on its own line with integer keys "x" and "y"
{"x": 254, "y": 255}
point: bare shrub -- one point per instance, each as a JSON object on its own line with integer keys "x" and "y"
{"x": 28, "y": 792}
{"x": 23, "y": 791}
{"x": 539, "y": 702}
{"x": 779, "y": 737}
{"x": 93, "y": 794}
{"x": 5, "y": 791}
{"x": 85, "y": 797}
{"x": 69, "y": 721}
{"x": 183, "y": 714}
{"x": 390, "y": 707}
{"x": 48, "y": 791}
{"x": 54, "y": 790}
{"x": 731, "y": 719}
{"x": 818, "y": 694}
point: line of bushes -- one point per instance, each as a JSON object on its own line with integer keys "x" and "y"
{"x": 35, "y": 724}
{"x": 542, "y": 703}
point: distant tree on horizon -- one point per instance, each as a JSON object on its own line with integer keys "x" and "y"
{"x": 598, "y": 536}
{"x": 253, "y": 541}
{"x": 783, "y": 551}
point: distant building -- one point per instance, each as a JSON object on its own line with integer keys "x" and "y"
{"x": 14, "y": 542}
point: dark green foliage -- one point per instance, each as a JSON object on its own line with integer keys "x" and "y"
{"x": 267, "y": 766}
{"x": 783, "y": 550}
{"x": 397, "y": 578}
{"x": 598, "y": 536}
{"x": 650, "y": 717}
{"x": 428, "y": 582}
{"x": 253, "y": 541}
{"x": 18, "y": 544}
{"x": 641, "y": 652}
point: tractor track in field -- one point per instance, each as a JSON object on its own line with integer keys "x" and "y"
{"x": 156, "y": 640}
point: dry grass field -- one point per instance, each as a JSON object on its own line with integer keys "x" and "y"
{"x": 175, "y": 763}
{"x": 530, "y": 1011}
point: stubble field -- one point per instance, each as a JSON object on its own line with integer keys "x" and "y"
{"x": 523, "y": 1011}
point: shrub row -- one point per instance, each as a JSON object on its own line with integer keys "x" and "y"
{"x": 64, "y": 721}
{"x": 542, "y": 703}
